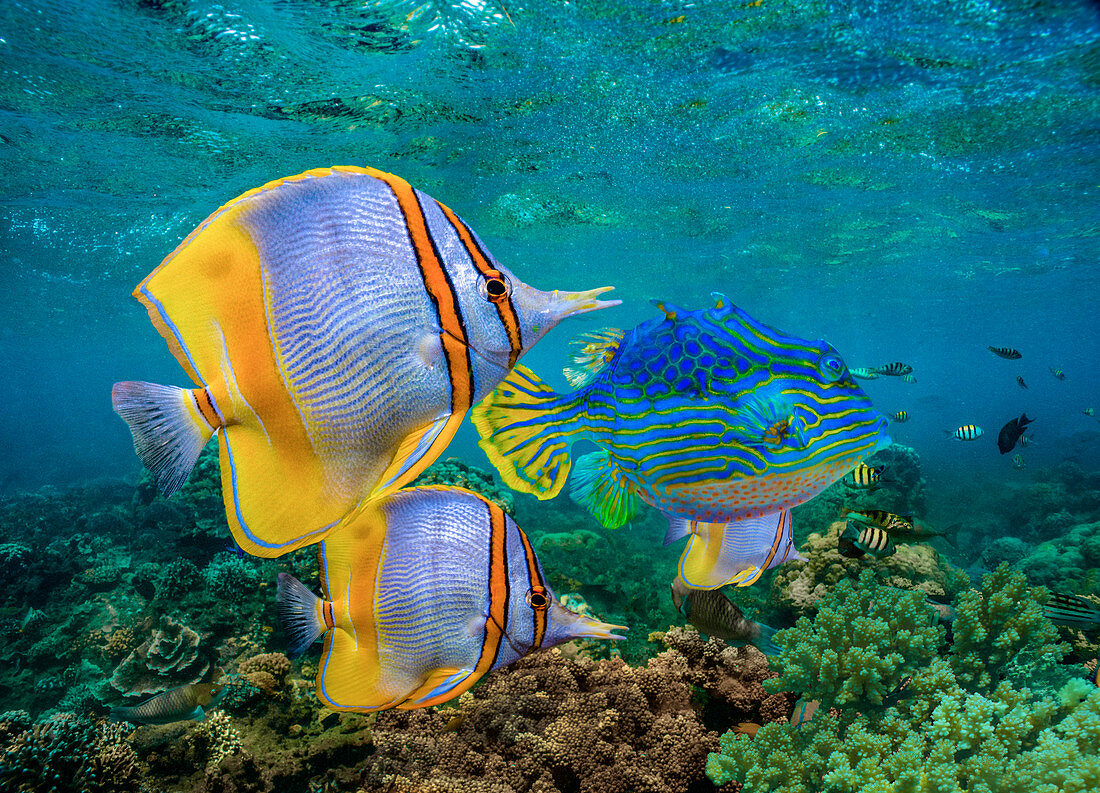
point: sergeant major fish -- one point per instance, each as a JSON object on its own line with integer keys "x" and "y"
{"x": 720, "y": 422}
{"x": 177, "y": 704}
{"x": 338, "y": 324}
{"x": 426, "y": 592}
{"x": 857, "y": 540}
{"x": 967, "y": 432}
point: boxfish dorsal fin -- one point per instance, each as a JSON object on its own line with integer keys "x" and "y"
{"x": 601, "y": 489}
{"x": 736, "y": 553}
{"x": 593, "y": 352}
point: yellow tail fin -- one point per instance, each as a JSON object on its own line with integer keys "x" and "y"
{"x": 526, "y": 430}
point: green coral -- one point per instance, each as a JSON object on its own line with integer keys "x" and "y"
{"x": 915, "y": 721}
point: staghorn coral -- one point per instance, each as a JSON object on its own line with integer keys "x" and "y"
{"x": 168, "y": 658}
{"x": 947, "y": 724}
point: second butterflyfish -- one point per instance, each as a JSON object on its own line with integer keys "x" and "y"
{"x": 338, "y": 325}
{"x": 425, "y": 593}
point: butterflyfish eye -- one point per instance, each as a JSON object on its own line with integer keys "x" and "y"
{"x": 493, "y": 287}
{"x": 831, "y": 367}
{"x": 538, "y": 598}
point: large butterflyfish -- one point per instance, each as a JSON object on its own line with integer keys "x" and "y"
{"x": 424, "y": 594}
{"x": 338, "y": 326}
{"x": 717, "y": 420}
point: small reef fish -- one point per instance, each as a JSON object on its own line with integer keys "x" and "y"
{"x": 177, "y": 704}
{"x": 1089, "y": 412}
{"x": 1058, "y": 373}
{"x": 858, "y": 540}
{"x": 426, "y": 592}
{"x": 1018, "y": 461}
{"x": 895, "y": 369}
{"x": 864, "y": 476}
{"x": 863, "y": 373}
{"x": 804, "y": 710}
{"x": 1025, "y": 441}
{"x": 1006, "y": 352}
{"x": 713, "y": 614}
{"x": 748, "y": 728}
{"x": 338, "y": 324}
{"x": 900, "y": 417}
{"x": 715, "y": 419}
{"x": 1010, "y": 433}
{"x": 908, "y": 378}
{"x": 1073, "y": 612}
{"x": 900, "y": 526}
{"x": 967, "y": 432}
{"x": 1020, "y": 381}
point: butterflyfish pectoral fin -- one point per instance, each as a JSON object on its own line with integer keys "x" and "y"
{"x": 440, "y": 686}
{"x": 301, "y": 614}
{"x": 170, "y": 426}
{"x": 414, "y": 454}
{"x": 600, "y": 488}
{"x": 735, "y": 553}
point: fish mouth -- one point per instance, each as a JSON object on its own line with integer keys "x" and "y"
{"x": 588, "y": 628}
{"x": 560, "y": 305}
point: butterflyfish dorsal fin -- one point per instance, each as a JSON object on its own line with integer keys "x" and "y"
{"x": 594, "y": 351}
{"x": 736, "y": 553}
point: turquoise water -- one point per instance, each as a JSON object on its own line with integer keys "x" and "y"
{"x": 912, "y": 181}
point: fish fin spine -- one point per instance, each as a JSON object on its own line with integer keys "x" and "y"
{"x": 594, "y": 351}
{"x": 170, "y": 426}
{"x": 301, "y": 614}
{"x": 526, "y": 430}
{"x": 598, "y": 486}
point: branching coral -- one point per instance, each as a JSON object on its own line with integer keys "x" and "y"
{"x": 915, "y": 721}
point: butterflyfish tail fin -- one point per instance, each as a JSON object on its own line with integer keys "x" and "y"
{"x": 736, "y": 553}
{"x": 594, "y": 351}
{"x": 525, "y": 430}
{"x": 611, "y": 499}
{"x": 170, "y": 426}
{"x": 301, "y": 613}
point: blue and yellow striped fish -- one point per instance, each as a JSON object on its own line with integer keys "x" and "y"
{"x": 717, "y": 420}
{"x": 425, "y": 593}
{"x": 338, "y": 324}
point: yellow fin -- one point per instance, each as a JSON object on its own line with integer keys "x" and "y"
{"x": 594, "y": 351}
{"x": 415, "y": 453}
{"x": 440, "y": 686}
{"x": 737, "y": 552}
{"x": 526, "y": 430}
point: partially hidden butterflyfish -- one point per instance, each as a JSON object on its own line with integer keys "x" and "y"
{"x": 424, "y": 594}
{"x": 192, "y": 702}
{"x": 338, "y": 325}
{"x": 715, "y": 419}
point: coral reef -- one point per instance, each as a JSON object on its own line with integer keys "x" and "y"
{"x": 168, "y": 658}
{"x": 905, "y": 718}
{"x": 453, "y": 471}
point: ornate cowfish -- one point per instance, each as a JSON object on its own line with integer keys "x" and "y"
{"x": 338, "y": 324}
{"x": 426, "y": 592}
{"x": 715, "y": 419}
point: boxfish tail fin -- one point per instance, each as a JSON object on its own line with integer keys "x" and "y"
{"x": 611, "y": 499}
{"x": 526, "y": 430}
{"x": 170, "y": 426}
{"x": 301, "y": 614}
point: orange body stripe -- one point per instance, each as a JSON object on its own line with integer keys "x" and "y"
{"x": 774, "y": 549}
{"x": 535, "y": 580}
{"x": 497, "y": 623}
{"x": 505, "y": 308}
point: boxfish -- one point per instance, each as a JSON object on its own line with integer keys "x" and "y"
{"x": 717, "y": 420}
{"x": 338, "y": 325}
{"x": 426, "y": 592}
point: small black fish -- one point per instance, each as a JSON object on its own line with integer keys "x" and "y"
{"x": 1006, "y": 352}
{"x": 1011, "y": 432}
{"x": 895, "y": 369}
{"x": 1020, "y": 381}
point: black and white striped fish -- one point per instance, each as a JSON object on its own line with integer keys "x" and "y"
{"x": 895, "y": 369}
{"x": 864, "y": 476}
{"x": 1073, "y": 612}
{"x": 858, "y": 540}
{"x": 967, "y": 432}
{"x": 1006, "y": 352}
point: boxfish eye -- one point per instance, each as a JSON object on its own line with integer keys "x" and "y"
{"x": 538, "y": 598}
{"x": 493, "y": 287}
{"x": 831, "y": 366}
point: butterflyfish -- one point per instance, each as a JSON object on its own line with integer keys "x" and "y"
{"x": 177, "y": 704}
{"x": 425, "y": 592}
{"x": 717, "y": 420}
{"x": 338, "y": 325}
